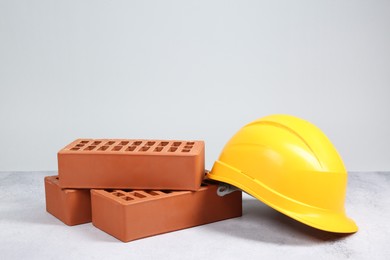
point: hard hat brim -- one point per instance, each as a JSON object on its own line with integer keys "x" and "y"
{"x": 337, "y": 223}
{"x": 315, "y": 217}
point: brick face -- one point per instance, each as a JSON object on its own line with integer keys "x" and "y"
{"x": 71, "y": 206}
{"x": 135, "y": 164}
{"x": 135, "y": 214}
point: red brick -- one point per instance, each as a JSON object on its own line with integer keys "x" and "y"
{"x": 135, "y": 164}
{"x": 130, "y": 215}
{"x": 71, "y": 206}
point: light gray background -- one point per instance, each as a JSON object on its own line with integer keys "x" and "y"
{"x": 191, "y": 70}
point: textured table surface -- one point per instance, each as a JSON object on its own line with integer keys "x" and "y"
{"x": 27, "y": 231}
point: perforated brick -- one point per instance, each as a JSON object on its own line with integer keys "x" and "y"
{"x": 134, "y": 214}
{"x": 71, "y": 206}
{"x": 135, "y": 164}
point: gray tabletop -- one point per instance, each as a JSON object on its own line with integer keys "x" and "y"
{"x": 28, "y": 231}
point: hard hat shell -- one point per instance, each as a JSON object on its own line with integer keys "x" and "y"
{"x": 289, "y": 164}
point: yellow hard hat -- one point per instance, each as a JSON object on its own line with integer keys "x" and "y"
{"x": 289, "y": 164}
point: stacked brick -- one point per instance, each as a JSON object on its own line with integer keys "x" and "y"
{"x": 133, "y": 189}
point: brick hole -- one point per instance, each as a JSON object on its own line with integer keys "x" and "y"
{"x": 139, "y": 195}
{"x": 57, "y": 178}
{"x": 131, "y": 148}
{"x": 110, "y": 143}
{"x": 75, "y": 149}
{"x": 172, "y": 149}
{"x": 150, "y": 143}
{"x": 118, "y": 194}
{"x": 117, "y": 148}
{"x": 128, "y": 198}
{"x": 137, "y": 142}
{"x": 79, "y": 145}
{"x": 166, "y": 191}
{"x": 96, "y": 142}
{"x": 204, "y": 184}
{"x": 84, "y": 142}
{"x": 185, "y": 150}
{"x": 103, "y": 148}
{"x": 190, "y": 143}
{"x": 158, "y": 149}
{"x": 90, "y": 148}
{"x": 153, "y": 193}
{"x": 163, "y": 143}
{"x": 124, "y": 142}
{"x": 188, "y": 146}
{"x": 176, "y": 144}
{"x": 144, "y": 149}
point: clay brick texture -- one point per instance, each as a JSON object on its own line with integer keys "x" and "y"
{"x": 134, "y": 214}
{"x": 71, "y": 206}
{"x": 132, "y": 164}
